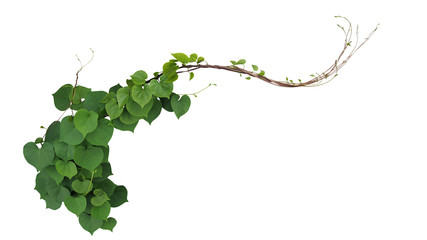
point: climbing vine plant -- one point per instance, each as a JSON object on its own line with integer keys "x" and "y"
{"x": 72, "y": 157}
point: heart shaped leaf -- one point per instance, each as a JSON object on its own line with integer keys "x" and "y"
{"x": 90, "y": 223}
{"x": 101, "y": 212}
{"x": 102, "y": 134}
{"x": 67, "y": 169}
{"x": 69, "y": 133}
{"x": 85, "y": 121}
{"x": 180, "y": 105}
{"x": 100, "y": 198}
{"x": 81, "y": 187}
{"x": 89, "y": 157}
{"x": 76, "y": 204}
{"x": 39, "y": 157}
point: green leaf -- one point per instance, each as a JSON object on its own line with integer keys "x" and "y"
{"x": 64, "y": 151}
{"x": 200, "y": 59}
{"x": 107, "y": 186}
{"x": 180, "y": 105}
{"x": 114, "y": 88}
{"x": 139, "y": 77}
{"x": 128, "y": 118}
{"x": 191, "y": 75}
{"x": 136, "y": 110}
{"x": 119, "y": 196}
{"x": 160, "y": 89}
{"x": 79, "y": 93}
{"x": 141, "y": 95}
{"x": 51, "y": 171}
{"x": 39, "y": 140}
{"x": 52, "y": 133}
{"x": 101, "y": 212}
{"x": 248, "y": 78}
{"x": 183, "y": 58}
{"x": 89, "y": 157}
{"x": 100, "y": 197}
{"x": 233, "y": 62}
{"x": 107, "y": 97}
{"x": 113, "y": 109}
{"x": 154, "y": 111}
{"x": 262, "y": 73}
{"x": 81, "y": 187}
{"x": 93, "y": 101}
{"x": 90, "y": 223}
{"x": 122, "y": 96}
{"x": 166, "y": 104}
{"x": 67, "y": 169}
{"x": 193, "y": 57}
{"x": 124, "y": 127}
{"x": 255, "y": 67}
{"x": 76, "y": 204}
{"x": 102, "y": 134}
{"x": 109, "y": 224}
{"x": 69, "y": 133}
{"x": 241, "y": 61}
{"x": 62, "y": 97}
{"x": 85, "y": 121}
{"x": 39, "y": 157}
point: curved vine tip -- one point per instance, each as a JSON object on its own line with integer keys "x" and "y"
{"x": 71, "y": 159}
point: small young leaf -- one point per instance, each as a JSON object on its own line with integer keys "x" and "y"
{"x": 241, "y": 61}
{"x": 109, "y": 224}
{"x": 200, "y": 59}
{"x": 255, "y": 67}
{"x": 193, "y": 57}
{"x": 191, "y": 75}
{"x": 184, "y": 59}
{"x": 233, "y": 62}
{"x": 139, "y": 77}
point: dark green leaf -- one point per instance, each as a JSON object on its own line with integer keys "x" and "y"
{"x": 39, "y": 157}
{"x": 180, "y": 105}
{"x": 90, "y": 223}
{"x": 114, "y": 88}
{"x": 109, "y": 224}
{"x": 62, "y": 97}
{"x": 128, "y": 118}
{"x": 124, "y": 127}
{"x": 69, "y": 133}
{"x": 119, "y": 196}
{"x": 64, "y": 151}
{"x": 102, "y": 134}
{"x": 93, "y": 101}
{"x": 52, "y": 133}
{"x": 154, "y": 111}
{"x": 51, "y": 171}
{"x": 166, "y": 104}
{"x": 79, "y": 93}
{"x": 107, "y": 186}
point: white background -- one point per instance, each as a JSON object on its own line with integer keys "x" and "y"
{"x": 346, "y": 160}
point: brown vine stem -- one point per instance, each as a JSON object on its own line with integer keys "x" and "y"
{"x": 330, "y": 73}
{"x": 74, "y": 88}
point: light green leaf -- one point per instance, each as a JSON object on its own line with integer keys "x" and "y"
{"x": 62, "y": 97}
{"x": 64, "y": 151}
{"x": 241, "y": 61}
{"x": 141, "y": 95}
{"x": 89, "y": 157}
{"x": 79, "y": 93}
{"x": 69, "y": 133}
{"x": 255, "y": 67}
{"x": 136, "y": 110}
{"x": 90, "y": 223}
{"x": 76, "y": 204}
{"x": 100, "y": 197}
{"x": 102, "y": 134}
{"x": 101, "y": 212}
{"x": 180, "y": 105}
{"x": 160, "y": 89}
{"x": 128, "y": 118}
{"x": 67, "y": 169}
{"x": 200, "y": 59}
{"x": 53, "y": 174}
{"x": 39, "y": 157}
{"x": 193, "y": 57}
{"x": 122, "y": 96}
{"x": 183, "y": 58}
{"x": 139, "y": 77}
{"x": 85, "y": 121}
{"x": 113, "y": 109}
{"x": 191, "y": 75}
{"x": 81, "y": 187}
